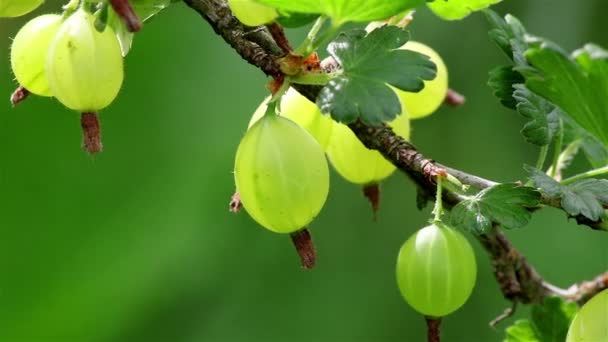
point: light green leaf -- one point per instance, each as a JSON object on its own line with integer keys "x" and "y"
{"x": 458, "y": 9}
{"x": 370, "y": 62}
{"x": 341, "y": 11}
{"x": 146, "y": 9}
{"x": 501, "y": 80}
{"x": 505, "y": 204}
{"x": 586, "y": 197}
{"x": 549, "y": 323}
{"x": 578, "y": 85}
{"x": 543, "y": 116}
{"x": 521, "y": 331}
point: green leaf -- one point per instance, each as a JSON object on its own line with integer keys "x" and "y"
{"x": 458, "y": 9}
{"x": 505, "y": 204}
{"x": 509, "y": 34}
{"x": 552, "y": 319}
{"x": 586, "y": 197}
{"x": 543, "y": 116}
{"x": 549, "y": 322}
{"x": 341, "y": 11}
{"x": 125, "y": 38}
{"x": 595, "y": 152}
{"x": 294, "y": 19}
{"x": 146, "y": 9}
{"x": 502, "y": 79}
{"x": 370, "y": 62}
{"x": 578, "y": 85}
{"x": 521, "y": 331}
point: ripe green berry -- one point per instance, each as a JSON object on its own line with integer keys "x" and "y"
{"x": 355, "y": 162}
{"x": 84, "y": 67}
{"x": 302, "y": 111}
{"x": 436, "y": 270}
{"x": 16, "y": 8}
{"x": 591, "y": 322}
{"x": 29, "y": 52}
{"x": 426, "y": 101}
{"x": 281, "y": 174}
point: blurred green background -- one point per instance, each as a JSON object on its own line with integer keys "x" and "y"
{"x": 137, "y": 243}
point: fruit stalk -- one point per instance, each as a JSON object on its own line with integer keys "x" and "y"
{"x": 433, "y": 333}
{"x": 91, "y": 132}
{"x": 305, "y": 247}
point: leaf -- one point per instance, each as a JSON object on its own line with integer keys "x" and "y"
{"x": 294, "y": 19}
{"x": 595, "y": 152}
{"x": 458, "y": 9}
{"x": 509, "y": 34}
{"x": 341, "y": 11}
{"x": 552, "y": 319}
{"x": 521, "y": 331}
{"x": 502, "y": 79}
{"x": 587, "y": 197}
{"x": 544, "y": 117}
{"x": 549, "y": 322}
{"x": 146, "y": 9}
{"x": 369, "y": 63}
{"x": 505, "y": 204}
{"x": 125, "y": 38}
{"x": 578, "y": 85}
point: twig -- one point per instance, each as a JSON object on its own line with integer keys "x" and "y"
{"x": 505, "y": 314}
{"x": 519, "y": 281}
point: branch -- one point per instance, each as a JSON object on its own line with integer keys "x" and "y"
{"x": 519, "y": 281}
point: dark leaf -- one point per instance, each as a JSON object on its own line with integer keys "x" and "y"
{"x": 505, "y": 204}
{"x": 370, "y": 63}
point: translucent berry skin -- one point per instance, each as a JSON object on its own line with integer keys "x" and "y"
{"x": 251, "y": 13}
{"x": 281, "y": 174}
{"x": 428, "y": 100}
{"x": 436, "y": 270}
{"x": 29, "y": 52}
{"x": 16, "y": 8}
{"x": 84, "y": 67}
{"x": 302, "y": 111}
{"x": 355, "y": 162}
{"x": 591, "y": 322}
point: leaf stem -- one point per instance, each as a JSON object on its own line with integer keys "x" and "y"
{"x": 438, "y": 208}
{"x": 591, "y": 173}
{"x": 565, "y": 158}
{"x": 542, "y": 157}
{"x": 305, "y": 48}
{"x": 559, "y": 142}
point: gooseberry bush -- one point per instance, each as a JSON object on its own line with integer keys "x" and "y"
{"x": 353, "y": 111}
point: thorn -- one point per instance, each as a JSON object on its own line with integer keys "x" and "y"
{"x": 454, "y": 99}
{"x": 19, "y": 95}
{"x": 305, "y": 247}
{"x": 372, "y": 193}
{"x": 125, "y": 11}
{"x": 91, "y": 133}
{"x": 235, "y": 203}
